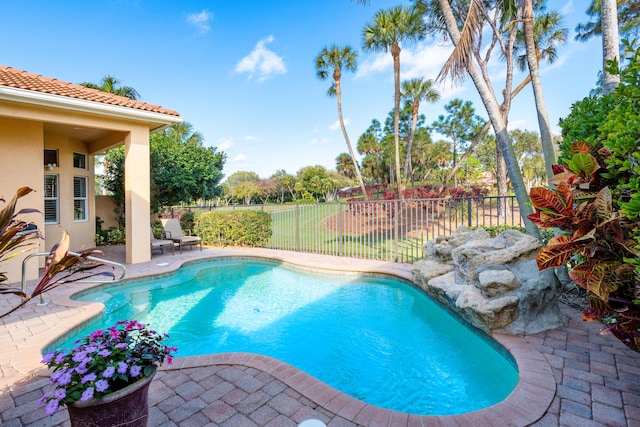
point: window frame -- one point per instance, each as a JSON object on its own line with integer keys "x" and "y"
{"x": 55, "y": 198}
{"x": 80, "y": 198}
{"x": 80, "y": 155}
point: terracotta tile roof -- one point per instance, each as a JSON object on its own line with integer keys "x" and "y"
{"x": 24, "y": 80}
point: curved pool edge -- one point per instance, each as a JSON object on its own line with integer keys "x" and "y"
{"x": 526, "y": 404}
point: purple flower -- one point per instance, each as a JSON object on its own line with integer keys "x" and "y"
{"x": 104, "y": 353}
{"x": 60, "y": 394}
{"x": 87, "y": 395}
{"x": 55, "y": 376}
{"x": 47, "y": 358}
{"x": 79, "y": 356}
{"x": 52, "y": 407}
{"x": 135, "y": 371}
{"x": 82, "y": 368}
{"x": 121, "y": 345}
{"x": 44, "y": 398}
{"x": 122, "y": 367}
{"x": 108, "y": 373}
{"x": 60, "y": 358}
{"x": 65, "y": 378}
{"x": 102, "y": 385}
{"x": 88, "y": 377}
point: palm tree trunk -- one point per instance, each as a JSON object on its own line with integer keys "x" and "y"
{"x": 346, "y": 138}
{"x": 541, "y": 106}
{"x": 502, "y": 136}
{"x": 610, "y": 43}
{"x": 395, "y": 52}
{"x": 407, "y": 158}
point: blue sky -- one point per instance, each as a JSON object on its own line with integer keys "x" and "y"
{"x": 242, "y": 73}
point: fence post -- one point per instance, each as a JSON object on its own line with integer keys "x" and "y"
{"x": 469, "y": 211}
{"x": 297, "y": 242}
{"x": 395, "y": 229}
{"x": 340, "y": 231}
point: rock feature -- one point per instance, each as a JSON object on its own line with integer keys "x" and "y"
{"x": 492, "y": 283}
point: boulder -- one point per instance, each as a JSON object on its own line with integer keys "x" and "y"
{"x": 494, "y": 283}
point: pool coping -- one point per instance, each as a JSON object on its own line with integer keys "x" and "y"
{"x": 527, "y": 403}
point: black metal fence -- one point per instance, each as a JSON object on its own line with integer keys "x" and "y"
{"x": 389, "y": 230}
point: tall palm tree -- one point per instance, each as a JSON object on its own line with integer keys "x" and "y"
{"x": 610, "y": 43}
{"x": 111, "y": 84}
{"x": 489, "y": 100}
{"x": 414, "y": 91}
{"x": 334, "y": 59}
{"x": 385, "y": 33}
{"x": 541, "y": 107}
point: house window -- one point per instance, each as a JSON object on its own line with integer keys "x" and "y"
{"x": 50, "y": 157}
{"x": 51, "y": 199}
{"x": 79, "y": 198}
{"x": 79, "y": 160}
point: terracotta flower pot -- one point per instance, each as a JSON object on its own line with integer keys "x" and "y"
{"x": 127, "y": 407}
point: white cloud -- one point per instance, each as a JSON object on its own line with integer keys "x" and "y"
{"x": 224, "y": 144}
{"x": 424, "y": 59}
{"x": 200, "y": 21}
{"x": 261, "y": 62}
{"x": 316, "y": 141}
{"x": 239, "y": 158}
{"x": 336, "y": 124}
{"x": 252, "y": 138}
{"x": 567, "y": 9}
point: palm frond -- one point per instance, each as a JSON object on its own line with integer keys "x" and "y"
{"x": 461, "y": 57}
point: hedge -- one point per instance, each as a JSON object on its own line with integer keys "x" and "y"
{"x": 233, "y": 228}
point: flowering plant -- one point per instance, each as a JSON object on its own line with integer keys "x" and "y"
{"x": 103, "y": 362}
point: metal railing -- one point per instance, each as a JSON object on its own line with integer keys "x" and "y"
{"x": 389, "y": 230}
{"x": 90, "y": 258}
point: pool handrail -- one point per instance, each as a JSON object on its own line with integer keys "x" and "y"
{"x": 91, "y": 258}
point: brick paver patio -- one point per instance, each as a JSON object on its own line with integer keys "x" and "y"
{"x": 570, "y": 376}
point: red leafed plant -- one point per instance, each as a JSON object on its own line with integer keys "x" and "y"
{"x": 17, "y": 237}
{"x": 598, "y": 236}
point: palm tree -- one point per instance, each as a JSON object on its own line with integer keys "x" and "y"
{"x": 610, "y": 43}
{"x": 414, "y": 91}
{"x": 541, "y": 106}
{"x": 334, "y": 59}
{"x": 489, "y": 100}
{"x": 111, "y": 84}
{"x": 386, "y": 32}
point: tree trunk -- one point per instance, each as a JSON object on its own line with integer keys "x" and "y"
{"x": 541, "y": 106}
{"x": 346, "y": 138}
{"x": 395, "y": 52}
{"x": 501, "y": 178}
{"x": 610, "y": 43}
{"x": 499, "y": 127}
{"x": 408, "y": 169}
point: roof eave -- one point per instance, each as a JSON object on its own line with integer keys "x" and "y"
{"x": 58, "y": 101}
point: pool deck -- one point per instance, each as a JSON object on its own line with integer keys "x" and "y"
{"x": 570, "y": 376}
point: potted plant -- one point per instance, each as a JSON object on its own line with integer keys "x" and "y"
{"x": 104, "y": 379}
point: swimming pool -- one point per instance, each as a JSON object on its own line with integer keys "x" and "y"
{"x": 377, "y": 339}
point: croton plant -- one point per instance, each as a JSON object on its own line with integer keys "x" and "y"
{"x": 598, "y": 237}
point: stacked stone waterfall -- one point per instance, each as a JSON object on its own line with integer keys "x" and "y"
{"x": 494, "y": 283}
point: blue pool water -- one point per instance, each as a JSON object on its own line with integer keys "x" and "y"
{"x": 377, "y": 339}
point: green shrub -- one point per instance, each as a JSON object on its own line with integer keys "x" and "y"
{"x": 233, "y": 228}
{"x": 158, "y": 230}
{"x": 187, "y": 220}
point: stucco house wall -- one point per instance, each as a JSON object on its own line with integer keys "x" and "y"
{"x": 38, "y": 113}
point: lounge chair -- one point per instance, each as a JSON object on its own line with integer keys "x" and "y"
{"x": 174, "y": 232}
{"x": 161, "y": 243}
